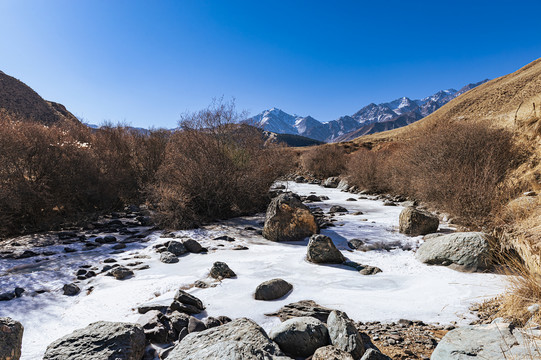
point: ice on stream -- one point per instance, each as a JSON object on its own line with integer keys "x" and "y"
{"x": 405, "y": 289}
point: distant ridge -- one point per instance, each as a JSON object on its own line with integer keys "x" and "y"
{"x": 18, "y": 102}
{"x": 370, "y": 119}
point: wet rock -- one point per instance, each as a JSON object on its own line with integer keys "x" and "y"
{"x": 414, "y": 222}
{"x": 105, "y": 240}
{"x": 26, "y": 254}
{"x": 11, "y": 337}
{"x": 100, "y": 340}
{"x": 121, "y": 273}
{"x": 351, "y": 199}
{"x": 272, "y": 289}
{"x": 321, "y": 250}
{"x": 6, "y": 296}
{"x": 237, "y": 340}
{"x": 177, "y": 248}
{"x": 337, "y": 209}
{"x": 168, "y": 258}
{"x": 71, "y": 289}
{"x": 288, "y": 219}
{"x": 225, "y": 238}
{"x": 465, "y": 251}
{"x": 344, "y": 335}
{"x": 193, "y": 246}
{"x": 118, "y": 246}
{"x": 329, "y": 352}
{"x": 300, "y": 336}
{"x": 313, "y": 198}
{"x": 109, "y": 261}
{"x": 221, "y": 270}
{"x": 19, "y": 292}
{"x": 300, "y": 309}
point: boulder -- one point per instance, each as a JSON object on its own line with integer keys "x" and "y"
{"x": 241, "y": 339}
{"x": 193, "y": 246}
{"x": 300, "y": 336}
{"x": 195, "y": 325}
{"x": 415, "y": 222}
{"x": 121, "y": 273}
{"x": 101, "y": 340}
{"x": 211, "y": 322}
{"x": 272, "y": 289}
{"x": 492, "y": 341}
{"x": 221, "y": 270}
{"x": 313, "y": 198}
{"x": 343, "y": 185}
{"x": 11, "y": 338}
{"x": 331, "y": 182}
{"x": 176, "y": 248}
{"x": 344, "y": 335}
{"x": 464, "y": 251}
{"x": 10, "y": 295}
{"x": 157, "y": 327}
{"x": 185, "y": 298}
{"x": 167, "y": 257}
{"x": 288, "y": 219}
{"x": 184, "y": 308}
{"x": 337, "y": 209}
{"x": 321, "y": 250}
{"x": 329, "y": 352}
{"x": 179, "y": 320}
{"x": 300, "y": 309}
{"x": 71, "y": 289}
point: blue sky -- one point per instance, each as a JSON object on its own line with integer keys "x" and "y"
{"x": 147, "y": 62}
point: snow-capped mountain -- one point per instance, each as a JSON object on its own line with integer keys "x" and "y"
{"x": 390, "y": 115}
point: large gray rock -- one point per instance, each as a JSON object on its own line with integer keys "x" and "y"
{"x": 331, "y": 353}
{"x": 300, "y": 336}
{"x": 331, "y": 182}
{"x": 241, "y": 339}
{"x": 272, "y": 289}
{"x": 343, "y": 185}
{"x": 321, "y": 250}
{"x": 157, "y": 327}
{"x": 11, "y": 338}
{"x": 302, "y": 308}
{"x": 288, "y": 219}
{"x": 101, "y": 340}
{"x": 466, "y": 251}
{"x": 493, "y": 341}
{"x": 344, "y": 335}
{"x": 414, "y": 222}
{"x": 176, "y": 248}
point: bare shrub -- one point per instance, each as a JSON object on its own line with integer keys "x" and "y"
{"x": 458, "y": 168}
{"x": 214, "y": 168}
{"x": 324, "y": 161}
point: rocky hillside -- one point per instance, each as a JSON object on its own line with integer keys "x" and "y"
{"x": 19, "y": 102}
{"x": 370, "y": 119}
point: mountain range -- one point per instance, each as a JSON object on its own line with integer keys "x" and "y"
{"x": 370, "y": 119}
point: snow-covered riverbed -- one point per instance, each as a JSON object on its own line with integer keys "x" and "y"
{"x": 405, "y": 288}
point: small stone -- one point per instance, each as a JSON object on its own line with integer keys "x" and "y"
{"x": 168, "y": 258}
{"x": 71, "y": 289}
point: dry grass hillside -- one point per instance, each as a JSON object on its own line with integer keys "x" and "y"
{"x": 18, "y": 102}
{"x": 512, "y": 102}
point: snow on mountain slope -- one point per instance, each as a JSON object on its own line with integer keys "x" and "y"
{"x": 401, "y": 111}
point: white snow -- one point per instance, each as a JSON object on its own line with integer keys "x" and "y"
{"x": 405, "y": 289}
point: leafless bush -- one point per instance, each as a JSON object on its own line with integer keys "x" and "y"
{"x": 214, "y": 168}
{"x": 324, "y": 161}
